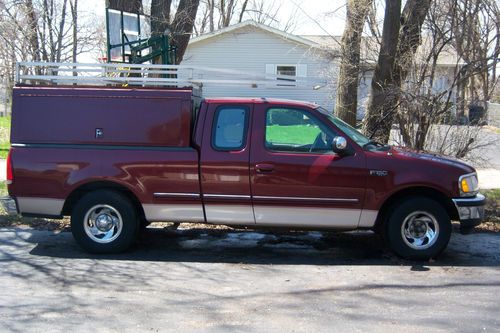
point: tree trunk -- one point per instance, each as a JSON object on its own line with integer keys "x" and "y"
{"x": 346, "y": 104}
{"x": 413, "y": 17}
{"x": 160, "y": 16}
{"x": 243, "y": 10}
{"x": 382, "y": 87}
{"x": 33, "y": 36}
{"x": 74, "y": 15}
{"x": 62, "y": 23}
{"x": 182, "y": 26}
{"x": 211, "y": 11}
{"x": 131, "y": 6}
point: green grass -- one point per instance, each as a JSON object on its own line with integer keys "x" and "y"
{"x": 3, "y": 189}
{"x": 294, "y": 134}
{"x": 492, "y": 194}
{"x": 4, "y": 136}
{"x": 492, "y": 209}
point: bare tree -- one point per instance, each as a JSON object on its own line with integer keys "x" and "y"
{"x": 428, "y": 101}
{"x": 47, "y": 30}
{"x": 160, "y": 16}
{"x": 131, "y": 6}
{"x": 347, "y": 87}
{"x": 382, "y": 87}
{"x": 182, "y": 25}
{"x": 74, "y": 17}
{"x": 218, "y": 14}
{"x": 475, "y": 26}
{"x": 33, "y": 33}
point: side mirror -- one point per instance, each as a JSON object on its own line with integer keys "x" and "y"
{"x": 339, "y": 146}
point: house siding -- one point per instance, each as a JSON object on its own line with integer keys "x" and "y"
{"x": 250, "y": 49}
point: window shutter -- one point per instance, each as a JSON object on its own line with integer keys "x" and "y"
{"x": 301, "y": 70}
{"x": 271, "y": 69}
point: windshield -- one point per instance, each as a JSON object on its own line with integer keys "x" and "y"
{"x": 350, "y": 131}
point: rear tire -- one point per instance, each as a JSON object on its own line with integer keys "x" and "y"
{"x": 104, "y": 221}
{"x": 418, "y": 228}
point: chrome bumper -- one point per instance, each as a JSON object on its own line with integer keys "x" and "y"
{"x": 10, "y": 205}
{"x": 470, "y": 210}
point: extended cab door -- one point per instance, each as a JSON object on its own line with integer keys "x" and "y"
{"x": 296, "y": 178}
{"x": 224, "y": 164}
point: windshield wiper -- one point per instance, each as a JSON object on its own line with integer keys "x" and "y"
{"x": 374, "y": 143}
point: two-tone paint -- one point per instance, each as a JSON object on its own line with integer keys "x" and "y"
{"x": 188, "y": 180}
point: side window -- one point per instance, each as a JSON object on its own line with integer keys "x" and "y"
{"x": 296, "y": 131}
{"x": 229, "y": 129}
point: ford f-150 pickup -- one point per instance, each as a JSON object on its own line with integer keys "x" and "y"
{"x": 115, "y": 159}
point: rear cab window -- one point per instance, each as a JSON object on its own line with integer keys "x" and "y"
{"x": 230, "y": 128}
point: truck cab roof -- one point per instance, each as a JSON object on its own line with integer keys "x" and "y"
{"x": 260, "y": 100}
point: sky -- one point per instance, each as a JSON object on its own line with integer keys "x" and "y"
{"x": 312, "y": 17}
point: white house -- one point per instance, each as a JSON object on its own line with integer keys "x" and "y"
{"x": 257, "y": 48}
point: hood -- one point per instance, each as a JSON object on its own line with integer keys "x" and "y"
{"x": 409, "y": 154}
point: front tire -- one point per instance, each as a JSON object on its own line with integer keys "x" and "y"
{"x": 104, "y": 221}
{"x": 418, "y": 228}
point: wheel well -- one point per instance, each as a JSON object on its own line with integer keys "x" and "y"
{"x": 401, "y": 195}
{"x": 78, "y": 193}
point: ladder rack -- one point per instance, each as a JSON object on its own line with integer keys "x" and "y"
{"x": 53, "y": 73}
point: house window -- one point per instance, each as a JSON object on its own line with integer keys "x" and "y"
{"x": 298, "y": 71}
{"x": 286, "y": 70}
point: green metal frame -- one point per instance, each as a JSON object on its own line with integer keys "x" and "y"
{"x": 159, "y": 45}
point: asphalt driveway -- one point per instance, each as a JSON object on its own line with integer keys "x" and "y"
{"x": 214, "y": 281}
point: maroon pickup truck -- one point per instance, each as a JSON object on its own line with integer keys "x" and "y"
{"x": 116, "y": 159}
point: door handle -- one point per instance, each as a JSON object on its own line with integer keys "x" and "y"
{"x": 264, "y": 168}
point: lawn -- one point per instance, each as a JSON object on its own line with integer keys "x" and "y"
{"x": 3, "y": 189}
{"x": 4, "y": 136}
{"x": 295, "y": 134}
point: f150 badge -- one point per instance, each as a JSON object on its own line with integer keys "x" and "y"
{"x": 379, "y": 173}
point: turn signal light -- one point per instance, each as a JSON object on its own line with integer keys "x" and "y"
{"x": 465, "y": 186}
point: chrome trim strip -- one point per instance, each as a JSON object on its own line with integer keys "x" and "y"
{"x": 173, "y": 195}
{"x": 226, "y": 196}
{"x": 42, "y": 206}
{"x": 305, "y": 198}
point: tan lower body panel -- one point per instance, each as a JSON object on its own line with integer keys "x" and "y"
{"x": 174, "y": 213}
{"x": 313, "y": 217}
{"x": 41, "y": 206}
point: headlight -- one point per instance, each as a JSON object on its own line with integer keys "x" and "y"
{"x": 468, "y": 185}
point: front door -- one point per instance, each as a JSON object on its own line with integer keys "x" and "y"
{"x": 296, "y": 178}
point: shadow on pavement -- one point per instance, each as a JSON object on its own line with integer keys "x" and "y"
{"x": 276, "y": 248}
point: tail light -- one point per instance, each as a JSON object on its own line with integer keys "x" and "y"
{"x": 10, "y": 175}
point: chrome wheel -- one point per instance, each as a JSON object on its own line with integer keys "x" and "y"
{"x": 420, "y": 230}
{"x": 103, "y": 223}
